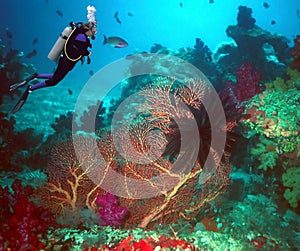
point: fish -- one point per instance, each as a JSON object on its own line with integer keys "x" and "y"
{"x": 70, "y": 92}
{"x": 130, "y": 14}
{"x": 116, "y": 16}
{"x": 273, "y": 22}
{"x": 266, "y": 5}
{"x": 211, "y": 1}
{"x": 91, "y": 72}
{"x": 118, "y": 20}
{"x": 34, "y": 41}
{"x": 31, "y": 54}
{"x": 59, "y": 13}
{"x": 180, "y": 4}
{"x": 8, "y": 33}
{"x": 115, "y": 42}
{"x": 298, "y": 13}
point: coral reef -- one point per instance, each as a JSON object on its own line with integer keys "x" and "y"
{"x": 23, "y": 224}
{"x": 279, "y": 119}
{"x": 244, "y": 18}
{"x": 247, "y": 82}
{"x": 292, "y": 80}
{"x": 199, "y": 56}
{"x": 12, "y": 69}
{"x": 18, "y": 149}
{"x": 69, "y": 186}
{"x": 268, "y": 52}
{"x": 274, "y": 116}
{"x": 251, "y": 214}
{"x": 163, "y": 243}
{"x": 295, "y": 53}
{"x": 227, "y": 212}
{"x": 110, "y": 212}
{"x": 291, "y": 180}
{"x": 265, "y": 152}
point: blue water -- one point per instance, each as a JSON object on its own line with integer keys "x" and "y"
{"x": 153, "y": 22}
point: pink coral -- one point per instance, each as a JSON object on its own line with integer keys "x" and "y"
{"x": 110, "y": 213}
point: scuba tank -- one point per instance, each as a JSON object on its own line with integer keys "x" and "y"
{"x": 60, "y": 43}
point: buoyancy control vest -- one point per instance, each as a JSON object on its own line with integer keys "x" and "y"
{"x": 61, "y": 44}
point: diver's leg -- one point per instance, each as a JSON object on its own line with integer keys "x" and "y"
{"x": 60, "y": 72}
{"x": 45, "y": 76}
{"x": 58, "y": 76}
{"x": 38, "y": 86}
{"x": 33, "y": 76}
{"x": 22, "y": 83}
{"x": 24, "y": 96}
{"x": 41, "y": 84}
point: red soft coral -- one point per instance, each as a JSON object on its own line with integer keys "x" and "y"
{"x": 22, "y": 222}
{"x": 295, "y": 53}
{"x": 149, "y": 244}
{"x": 247, "y": 82}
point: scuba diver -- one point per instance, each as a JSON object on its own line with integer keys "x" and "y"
{"x": 71, "y": 46}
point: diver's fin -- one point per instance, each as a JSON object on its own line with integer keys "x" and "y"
{"x": 21, "y": 101}
{"x": 17, "y": 85}
{"x": 24, "y": 82}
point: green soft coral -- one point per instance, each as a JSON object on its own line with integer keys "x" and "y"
{"x": 267, "y": 160}
{"x": 265, "y": 152}
{"x": 291, "y": 180}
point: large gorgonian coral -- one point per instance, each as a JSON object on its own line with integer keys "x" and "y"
{"x": 140, "y": 155}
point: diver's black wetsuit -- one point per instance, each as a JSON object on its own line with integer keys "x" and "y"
{"x": 77, "y": 46}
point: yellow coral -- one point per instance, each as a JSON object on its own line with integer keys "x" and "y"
{"x": 269, "y": 86}
{"x": 293, "y": 73}
{"x": 291, "y": 180}
{"x": 294, "y": 78}
{"x": 278, "y": 84}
